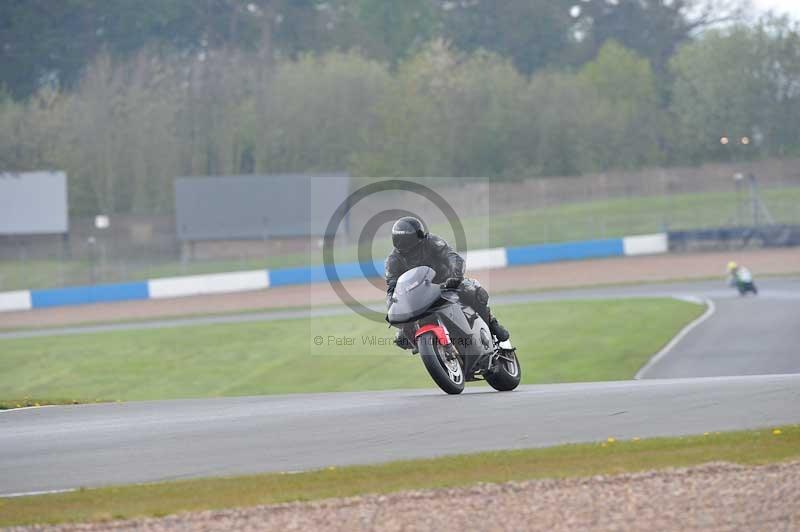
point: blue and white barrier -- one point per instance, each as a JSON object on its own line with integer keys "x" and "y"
{"x": 518, "y": 256}
{"x": 645, "y": 244}
{"x": 219, "y": 283}
{"x": 81, "y": 295}
{"x": 17, "y": 300}
{"x": 216, "y": 283}
{"x": 486, "y": 259}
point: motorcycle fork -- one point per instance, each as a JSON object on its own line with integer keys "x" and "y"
{"x": 500, "y": 353}
{"x": 449, "y": 349}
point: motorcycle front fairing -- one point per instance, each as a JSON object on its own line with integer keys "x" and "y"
{"x": 414, "y": 294}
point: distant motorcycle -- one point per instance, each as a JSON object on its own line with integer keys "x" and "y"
{"x": 742, "y": 279}
{"x": 453, "y": 340}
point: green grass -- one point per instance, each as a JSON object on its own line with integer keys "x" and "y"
{"x": 557, "y": 342}
{"x": 748, "y": 447}
{"x": 570, "y": 221}
{"x": 630, "y": 216}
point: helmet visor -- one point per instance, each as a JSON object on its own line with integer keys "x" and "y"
{"x": 405, "y": 240}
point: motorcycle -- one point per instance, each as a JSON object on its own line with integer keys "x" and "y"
{"x": 746, "y": 286}
{"x": 742, "y": 279}
{"x": 454, "y": 342}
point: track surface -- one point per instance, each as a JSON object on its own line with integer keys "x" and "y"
{"x": 67, "y": 447}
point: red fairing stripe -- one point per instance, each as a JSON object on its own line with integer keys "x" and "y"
{"x": 438, "y": 330}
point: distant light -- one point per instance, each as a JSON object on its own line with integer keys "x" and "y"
{"x": 724, "y": 141}
{"x": 738, "y": 177}
{"x": 101, "y": 221}
{"x": 745, "y": 140}
{"x": 575, "y": 11}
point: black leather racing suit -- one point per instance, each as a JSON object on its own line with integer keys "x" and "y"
{"x": 433, "y": 252}
{"x": 436, "y": 253}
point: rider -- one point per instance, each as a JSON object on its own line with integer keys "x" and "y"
{"x": 738, "y": 274}
{"x": 414, "y": 246}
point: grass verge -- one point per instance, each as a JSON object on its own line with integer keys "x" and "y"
{"x": 557, "y": 341}
{"x": 28, "y": 402}
{"x": 747, "y": 447}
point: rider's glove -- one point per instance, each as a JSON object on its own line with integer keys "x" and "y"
{"x": 452, "y": 283}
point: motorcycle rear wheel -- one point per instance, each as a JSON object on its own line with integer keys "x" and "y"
{"x": 447, "y": 374}
{"x": 506, "y": 373}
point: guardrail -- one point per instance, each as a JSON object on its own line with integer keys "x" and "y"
{"x": 734, "y": 237}
{"x": 219, "y": 283}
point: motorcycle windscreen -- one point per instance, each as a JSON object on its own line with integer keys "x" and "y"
{"x": 414, "y": 294}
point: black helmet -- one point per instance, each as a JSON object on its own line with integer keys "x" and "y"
{"x": 407, "y": 233}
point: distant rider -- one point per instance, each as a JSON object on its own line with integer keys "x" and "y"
{"x": 740, "y": 277}
{"x": 414, "y": 246}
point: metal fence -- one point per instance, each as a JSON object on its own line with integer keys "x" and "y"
{"x": 495, "y": 214}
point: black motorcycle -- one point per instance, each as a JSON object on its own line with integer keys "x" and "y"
{"x": 454, "y": 342}
{"x": 745, "y": 287}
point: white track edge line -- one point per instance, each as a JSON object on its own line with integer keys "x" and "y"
{"x": 710, "y": 310}
{"x": 31, "y": 493}
{"x": 7, "y": 410}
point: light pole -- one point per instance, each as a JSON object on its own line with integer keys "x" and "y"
{"x": 757, "y": 207}
{"x": 96, "y": 247}
{"x": 728, "y": 143}
{"x": 738, "y": 177}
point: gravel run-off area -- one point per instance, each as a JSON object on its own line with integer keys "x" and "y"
{"x": 716, "y": 496}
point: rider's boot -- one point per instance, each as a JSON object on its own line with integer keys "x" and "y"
{"x": 402, "y": 341}
{"x": 500, "y": 332}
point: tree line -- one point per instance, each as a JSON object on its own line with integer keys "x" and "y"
{"x": 51, "y": 43}
{"x": 131, "y": 123}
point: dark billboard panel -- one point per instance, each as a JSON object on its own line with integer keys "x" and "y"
{"x": 256, "y": 207}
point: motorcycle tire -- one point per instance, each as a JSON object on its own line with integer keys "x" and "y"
{"x": 448, "y": 375}
{"x": 506, "y": 374}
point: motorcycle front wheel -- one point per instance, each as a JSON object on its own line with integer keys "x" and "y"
{"x": 446, "y": 373}
{"x": 506, "y": 374}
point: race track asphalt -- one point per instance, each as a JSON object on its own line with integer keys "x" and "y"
{"x": 744, "y": 336}
{"x": 57, "y": 448}
{"x": 90, "y": 445}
